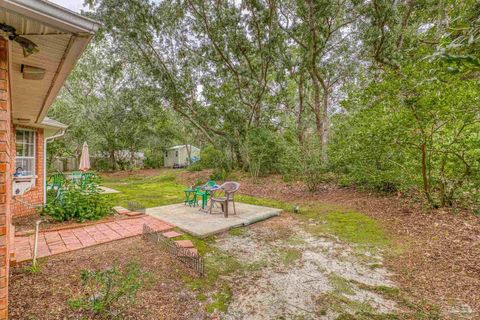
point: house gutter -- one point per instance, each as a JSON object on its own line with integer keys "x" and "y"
{"x": 59, "y": 134}
{"x": 52, "y": 14}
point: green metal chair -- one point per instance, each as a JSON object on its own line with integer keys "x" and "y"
{"x": 59, "y": 198}
{"x": 205, "y": 194}
{"x": 190, "y": 197}
{"x": 88, "y": 180}
{"x": 56, "y": 181}
{"x": 77, "y": 177}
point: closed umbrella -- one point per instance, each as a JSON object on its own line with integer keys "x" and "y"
{"x": 84, "y": 158}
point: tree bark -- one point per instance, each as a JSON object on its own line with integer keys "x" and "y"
{"x": 301, "y": 108}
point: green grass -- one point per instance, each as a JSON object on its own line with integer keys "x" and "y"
{"x": 341, "y": 285}
{"x": 147, "y": 191}
{"x": 238, "y": 232}
{"x": 356, "y": 228}
{"x": 350, "y": 226}
{"x": 288, "y": 256}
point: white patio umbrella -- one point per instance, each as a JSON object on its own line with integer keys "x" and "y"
{"x": 84, "y": 158}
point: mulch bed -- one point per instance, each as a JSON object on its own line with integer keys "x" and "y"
{"x": 441, "y": 257}
{"x": 44, "y": 295}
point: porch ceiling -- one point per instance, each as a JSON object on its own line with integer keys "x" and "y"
{"x": 61, "y": 37}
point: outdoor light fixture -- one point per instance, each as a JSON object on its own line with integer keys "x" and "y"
{"x": 32, "y": 73}
{"x": 28, "y": 46}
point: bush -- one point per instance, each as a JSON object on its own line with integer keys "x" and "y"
{"x": 73, "y": 203}
{"x": 197, "y": 166}
{"x": 153, "y": 159}
{"x": 107, "y": 292}
{"x": 102, "y": 164}
{"x": 262, "y": 151}
{"x": 219, "y": 175}
{"x": 212, "y": 158}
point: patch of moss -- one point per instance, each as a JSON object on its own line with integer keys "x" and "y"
{"x": 368, "y": 316}
{"x": 353, "y": 227}
{"x": 295, "y": 241}
{"x": 341, "y": 285}
{"x": 340, "y": 304}
{"x": 265, "y": 202}
{"x": 257, "y": 265}
{"x": 221, "y": 300}
{"x": 421, "y": 310}
{"x": 288, "y": 256}
{"x": 237, "y": 232}
{"x": 202, "y": 297}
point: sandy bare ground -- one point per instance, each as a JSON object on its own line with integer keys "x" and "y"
{"x": 296, "y": 275}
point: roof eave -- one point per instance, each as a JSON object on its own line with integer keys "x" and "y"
{"x": 72, "y": 53}
{"x": 52, "y": 14}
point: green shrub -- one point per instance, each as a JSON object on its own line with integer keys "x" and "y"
{"x": 213, "y": 158}
{"x": 153, "y": 159}
{"x": 262, "y": 152}
{"x": 219, "y": 175}
{"x": 102, "y": 164}
{"x": 108, "y": 292}
{"x": 197, "y": 166}
{"x": 304, "y": 163}
{"x": 72, "y": 203}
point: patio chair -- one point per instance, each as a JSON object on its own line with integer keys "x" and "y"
{"x": 190, "y": 197}
{"x": 88, "y": 181}
{"x": 77, "y": 177}
{"x": 203, "y": 192}
{"x": 229, "y": 188}
{"x": 56, "y": 181}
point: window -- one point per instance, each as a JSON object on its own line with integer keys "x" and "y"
{"x": 166, "y": 154}
{"x": 25, "y": 160}
{"x": 176, "y": 154}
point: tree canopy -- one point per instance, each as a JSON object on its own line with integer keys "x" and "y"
{"x": 380, "y": 94}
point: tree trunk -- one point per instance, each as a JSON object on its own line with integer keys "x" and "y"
{"x": 324, "y": 127}
{"x": 426, "y": 184}
{"x": 113, "y": 161}
{"x": 189, "y": 154}
{"x": 301, "y": 108}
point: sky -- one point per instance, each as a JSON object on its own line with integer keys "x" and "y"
{"x": 74, "y": 5}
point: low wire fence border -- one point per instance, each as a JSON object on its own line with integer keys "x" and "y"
{"x": 190, "y": 259}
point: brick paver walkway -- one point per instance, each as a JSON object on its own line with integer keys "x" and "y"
{"x": 54, "y": 242}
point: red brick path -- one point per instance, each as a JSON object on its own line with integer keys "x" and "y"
{"x": 54, "y": 242}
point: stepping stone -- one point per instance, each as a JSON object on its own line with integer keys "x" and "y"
{"x": 171, "y": 234}
{"x": 184, "y": 243}
{"x": 120, "y": 210}
{"x": 132, "y": 213}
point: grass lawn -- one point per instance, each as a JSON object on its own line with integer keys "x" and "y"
{"x": 152, "y": 191}
{"x": 164, "y": 189}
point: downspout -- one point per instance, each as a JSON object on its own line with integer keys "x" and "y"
{"x": 45, "y": 141}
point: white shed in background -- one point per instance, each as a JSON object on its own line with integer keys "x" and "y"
{"x": 177, "y": 156}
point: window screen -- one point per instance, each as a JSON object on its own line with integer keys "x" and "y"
{"x": 25, "y": 160}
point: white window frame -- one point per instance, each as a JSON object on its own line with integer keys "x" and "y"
{"x": 34, "y": 167}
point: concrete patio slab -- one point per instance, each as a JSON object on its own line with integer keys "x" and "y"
{"x": 107, "y": 190}
{"x": 201, "y": 224}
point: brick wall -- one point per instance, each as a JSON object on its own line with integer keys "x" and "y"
{"x": 5, "y": 177}
{"x": 23, "y": 205}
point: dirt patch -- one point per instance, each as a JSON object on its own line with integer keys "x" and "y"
{"x": 287, "y": 273}
{"x": 44, "y": 295}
